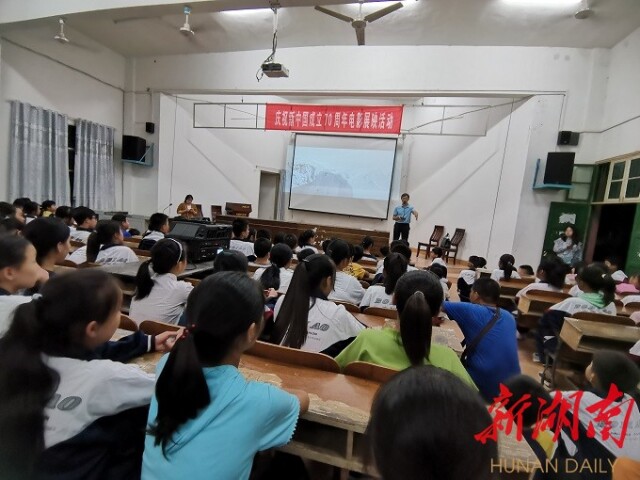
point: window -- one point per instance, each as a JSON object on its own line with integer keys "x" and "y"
{"x": 581, "y": 183}
{"x": 618, "y": 181}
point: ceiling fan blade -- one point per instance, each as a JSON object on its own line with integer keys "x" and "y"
{"x": 360, "y": 35}
{"x": 337, "y": 15}
{"x": 382, "y": 12}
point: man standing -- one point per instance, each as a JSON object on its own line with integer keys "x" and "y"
{"x": 402, "y": 216}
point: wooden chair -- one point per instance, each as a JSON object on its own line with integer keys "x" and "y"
{"x": 76, "y": 244}
{"x": 141, "y": 253}
{"x": 193, "y": 281}
{"x": 381, "y": 312}
{"x": 364, "y": 284}
{"x": 547, "y": 294}
{"x": 151, "y": 327}
{"x": 434, "y": 241}
{"x": 455, "y": 244}
{"x": 369, "y": 371}
{"x": 215, "y": 211}
{"x": 632, "y": 306}
{"x": 67, "y": 263}
{"x": 351, "y": 307}
{"x": 126, "y": 323}
{"x": 604, "y": 318}
{"x": 293, "y": 356}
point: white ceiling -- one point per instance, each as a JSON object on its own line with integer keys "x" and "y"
{"x": 152, "y": 31}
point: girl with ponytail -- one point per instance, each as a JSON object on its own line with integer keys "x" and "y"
{"x": 395, "y": 265}
{"x": 277, "y": 276}
{"x": 205, "y": 419}
{"x": 105, "y": 245}
{"x": 506, "y": 268}
{"x": 305, "y": 318}
{"x": 418, "y": 298}
{"x": 159, "y": 294}
{"x": 60, "y": 415}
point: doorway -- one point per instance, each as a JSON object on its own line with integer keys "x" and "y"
{"x": 269, "y": 194}
{"x": 614, "y": 231}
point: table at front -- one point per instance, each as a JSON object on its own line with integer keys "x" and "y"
{"x": 128, "y": 271}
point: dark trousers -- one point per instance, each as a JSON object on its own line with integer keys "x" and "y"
{"x": 549, "y": 326}
{"x": 401, "y": 230}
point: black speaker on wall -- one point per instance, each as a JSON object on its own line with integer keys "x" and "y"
{"x": 133, "y": 148}
{"x": 149, "y": 127}
{"x": 559, "y": 169}
{"x": 566, "y": 137}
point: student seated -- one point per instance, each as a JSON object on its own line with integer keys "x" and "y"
{"x": 397, "y": 246}
{"x": 467, "y": 277}
{"x": 31, "y": 211}
{"x": 630, "y": 289}
{"x": 86, "y": 221}
{"x": 346, "y": 287}
{"x": 263, "y": 233}
{"x": 441, "y": 273}
{"x": 70, "y": 418}
{"x": 48, "y": 208}
{"x": 418, "y": 297}
{"x": 395, "y": 265}
{"x": 598, "y": 292}
{"x": 159, "y": 294}
{"x": 277, "y": 275}
{"x": 201, "y": 398}
{"x": 506, "y": 269}
{"x": 526, "y": 271}
{"x": 436, "y": 255}
{"x": 64, "y": 214}
{"x": 262, "y": 248}
{"x": 278, "y": 238}
{"x": 239, "y": 236}
{"x": 550, "y": 276}
{"x": 613, "y": 264}
{"x": 50, "y": 237}
{"x": 11, "y": 226}
{"x": 230, "y": 261}
{"x": 158, "y": 228}
{"x": 304, "y": 253}
{"x": 367, "y": 245}
{"x": 417, "y": 429}
{"x": 305, "y": 318}
{"x": 7, "y": 210}
{"x": 122, "y": 219}
{"x": 19, "y": 204}
{"x": 307, "y": 239}
{"x": 105, "y": 245}
{"x": 491, "y": 355}
{"x": 291, "y": 240}
{"x": 354, "y": 268}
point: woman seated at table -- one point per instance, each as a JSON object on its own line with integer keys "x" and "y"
{"x": 418, "y": 298}
{"x": 305, "y": 318}
{"x": 550, "y": 274}
{"x": 188, "y": 209}
{"x": 395, "y": 265}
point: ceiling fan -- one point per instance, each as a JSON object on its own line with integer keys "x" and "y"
{"x": 186, "y": 29}
{"x": 60, "y": 37}
{"x": 359, "y": 23}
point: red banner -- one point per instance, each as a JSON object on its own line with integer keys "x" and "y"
{"x": 333, "y": 118}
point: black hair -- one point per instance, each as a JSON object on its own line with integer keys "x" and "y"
{"x": 45, "y": 234}
{"x": 157, "y": 220}
{"x": 252, "y": 235}
{"x": 575, "y": 238}
{"x": 263, "y": 233}
{"x": 325, "y": 244}
{"x": 429, "y": 396}
{"x": 281, "y": 255}
{"x": 482, "y": 262}
{"x": 290, "y": 328}
{"x": 47, "y": 204}
{"x": 221, "y": 308}
{"x": 616, "y": 368}
{"x": 291, "y": 240}
{"x": 262, "y": 247}
{"x": 473, "y": 262}
{"x": 303, "y": 239}
{"x": 555, "y": 271}
{"x": 119, "y": 217}
{"x": 339, "y": 251}
{"x": 526, "y": 389}
{"x": 304, "y": 253}
{"x": 405, "y": 195}
{"x": 488, "y": 290}
{"x": 31, "y": 208}
{"x": 367, "y": 242}
{"x": 21, "y": 202}
{"x": 64, "y": 213}
{"x": 188, "y": 197}
{"x": 528, "y": 269}
{"x": 105, "y": 232}
{"x": 418, "y": 297}
{"x": 52, "y": 325}
{"x": 438, "y": 252}
{"x": 230, "y": 261}
{"x": 10, "y": 225}
{"x": 7, "y": 210}
{"x": 506, "y": 264}
{"x": 395, "y": 265}
{"x": 384, "y": 250}
{"x": 134, "y": 232}
{"x": 165, "y": 254}
{"x": 13, "y": 250}
{"x": 358, "y": 253}
{"x": 238, "y": 226}
{"x": 402, "y": 249}
{"x": 439, "y": 270}
{"x": 278, "y": 238}
{"x": 82, "y": 214}
{"x": 599, "y": 280}
{"x": 613, "y": 260}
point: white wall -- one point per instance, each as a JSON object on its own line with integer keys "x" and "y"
{"x": 44, "y": 80}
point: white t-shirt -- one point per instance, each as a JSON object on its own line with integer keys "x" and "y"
{"x": 375, "y": 296}
{"x": 8, "y": 303}
{"x": 89, "y": 390}
{"x": 79, "y": 256}
{"x": 80, "y": 235}
{"x": 116, "y": 254}
{"x": 380, "y": 268}
{"x": 618, "y": 276}
{"x": 165, "y": 303}
{"x": 347, "y": 289}
{"x": 439, "y": 261}
{"x": 469, "y": 276}
{"x": 573, "y": 305}
{"x": 241, "y": 246}
{"x": 328, "y": 324}
{"x": 630, "y": 299}
{"x": 498, "y": 275}
{"x": 310, "y": 247}
{"x": 285, "y": 278}
{"x": 445, "y": 288}
{"x": 538, "y": 286}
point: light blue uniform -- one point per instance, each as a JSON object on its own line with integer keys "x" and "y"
{"x": 404, "y": 212}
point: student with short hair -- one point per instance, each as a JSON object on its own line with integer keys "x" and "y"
{"x": 11, "y": 226}
{"x": 65, "y": 215}
{"x": 305, "y": 318}
{"x": 48, "y": 208}
{"x": 354, "y": 268}
{"x": 526, "y": 271}
{"x": 418, "y": 297}
{"x": 467, "y": 277}
{"x": 50, "y": 237}
{"x": 304, "y": 253}
{"x": 367, "y": 245}
{"x": 230, "y": 261}
{"x": 422, "y": 426}
{"x": 494, "y": 358}
{"x": 346, "y": 287}
{"x": 397, "y": 246}
{"x": 277, "y": 275}
{"x": 278, "y": 238}
{"x": 122, "y": 219}
{"x": 436, "y": 254}
{"x": 158, "y": 228}
{"x": 159, "y": 294}
{"x": 291, "y": 240}
{"x": 20, "y": 204}
{"x": 307, "y": 239}
{"x": 506, "y": 269}
{"x": 105, "y": 245}
{"x": 240, "y": 231}
{"x": 7, "y": 210}
{"x": 263, "y": 233}
{"x": 65, "y": 416}
{"x": 395, "y": 265}
{"x": 86, "y": 221}
{"x": 613, "y": 264}
{"x": 441, "y": 272}
{"x": 262, "y": 248}
{"x": 31, "y": 211}
{"x": 550, "y": 276}
{"x": 202, "y": 399}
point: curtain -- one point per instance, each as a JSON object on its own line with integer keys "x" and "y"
{"x": 94, "y": 180}
{"x": 38, "y": 155}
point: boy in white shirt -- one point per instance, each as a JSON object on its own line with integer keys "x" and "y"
{"x": 613, "y": 264}
{"x": 346, "y": 288}
{"x": 238, "y": 241}
{"x": 86, "y": 221}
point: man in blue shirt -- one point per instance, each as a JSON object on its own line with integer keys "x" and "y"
{"x": 495, "y": 358}
{"x": 402, "y": 216}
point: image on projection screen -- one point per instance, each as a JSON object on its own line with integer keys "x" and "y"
{"x": 342, "y": 175}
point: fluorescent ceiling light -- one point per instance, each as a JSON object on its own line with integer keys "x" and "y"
{"x": 543, "y": 3}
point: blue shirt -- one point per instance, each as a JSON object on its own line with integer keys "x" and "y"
{"x": 404, "y": 212}
{"x": 496, "y": 356}
{"x": 242, "y": 419}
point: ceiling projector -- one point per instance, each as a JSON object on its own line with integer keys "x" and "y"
{"x": 274, "y": 70}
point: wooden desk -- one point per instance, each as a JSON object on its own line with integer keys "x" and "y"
{"x": 511, "y": 287}
{"x": 588, "y": 337}
{"x": 128, "y": 271}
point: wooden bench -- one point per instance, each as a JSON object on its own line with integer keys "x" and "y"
{"x": 369, "y": 371}
{"x": 294, "y": 356}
